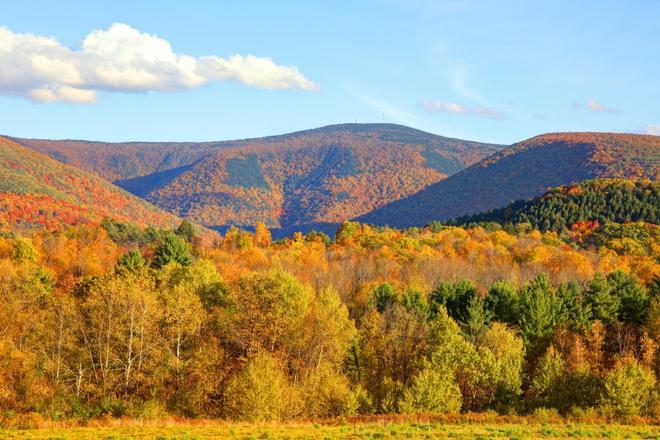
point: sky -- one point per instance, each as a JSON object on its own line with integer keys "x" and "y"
{"x": 495, "y": 71}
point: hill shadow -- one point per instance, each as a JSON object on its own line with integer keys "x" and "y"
{"x": 143, "y": 185}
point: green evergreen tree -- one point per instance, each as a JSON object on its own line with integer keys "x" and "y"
{"x": 383, "y": 297}
{"x": 132, "y": 261}
{"x": 539, "y": 311}
{"x": 478, "y": 319}
{"x": 604, "y": 304}
{"x": 633, "y": 296}
{"x": 414, "y": 300}
{"x": 502, "y": 301}
{"x": 576, "y": 310}
{"x": 455, "y": 297}
{"x": 172, "y": 249}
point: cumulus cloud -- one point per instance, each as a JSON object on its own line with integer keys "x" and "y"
{"x": 255, "y": 72}
{"x": 57, "y": 93}
{"x": 437, "y": 106}
{"x": 653, "y": 129}
{"x": 123, "y": 59}
{"x": 597, "y": 107}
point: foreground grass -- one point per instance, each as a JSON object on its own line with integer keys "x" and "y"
{"x": 358, "y": 430}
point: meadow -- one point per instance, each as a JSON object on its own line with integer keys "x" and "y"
{"x": 362, "y": 428}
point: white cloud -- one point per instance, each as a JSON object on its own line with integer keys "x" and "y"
{"x": 489, "y": 112}
{"x": 62, "y": 94}
{"x": 653, "y": 129}
{"x": 123, "y": 59}
{"x": 437, "y": 106}
{"x": 254, "y": 71}
{"x": 595, "y": 106}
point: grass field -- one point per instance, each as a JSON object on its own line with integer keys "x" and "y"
{"x": 362, "y": 430}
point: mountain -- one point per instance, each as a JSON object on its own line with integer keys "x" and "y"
{"x": 39, "y": 192}
{"x": 297, "y": 180}
{"x": 523, "y": 171}
{"x": 600, "y": 200}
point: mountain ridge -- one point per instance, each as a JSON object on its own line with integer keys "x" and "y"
{"x": 322, "y": 175}
{"x": 523, "y": 171}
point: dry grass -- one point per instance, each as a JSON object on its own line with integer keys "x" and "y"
{"x": 463, "y": 427}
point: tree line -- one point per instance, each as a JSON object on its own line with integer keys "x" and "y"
{"x": 123, "y": 321}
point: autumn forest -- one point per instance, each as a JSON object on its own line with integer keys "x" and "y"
{"x": 124, "y": 321}
{"x": 292, "y": 278}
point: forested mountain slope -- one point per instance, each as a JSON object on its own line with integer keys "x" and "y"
{"x": 39, "y": 192}
{"x": 601, "y": 201}
{"x": 324, "y": 175}
{"x": 526, "y": 170}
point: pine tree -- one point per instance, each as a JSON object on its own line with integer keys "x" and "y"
{"x": 172, "y": 249}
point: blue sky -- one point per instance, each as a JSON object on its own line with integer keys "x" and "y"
{"x": 497, "y": 71}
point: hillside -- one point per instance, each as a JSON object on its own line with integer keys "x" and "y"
{"x": 526, "y": 170}
{"x": 325, "y": 175}
{"x": 39, "y": 192}
{"x": 602, "y": 200}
